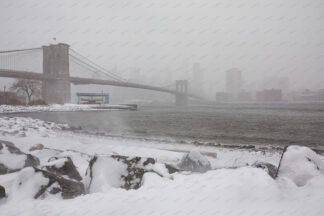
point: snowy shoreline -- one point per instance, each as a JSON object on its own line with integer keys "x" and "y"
{"x": 8, "y": 109}
{"x": 232, "y": 186}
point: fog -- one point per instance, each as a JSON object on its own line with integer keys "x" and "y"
{"x": 158, "y": 41}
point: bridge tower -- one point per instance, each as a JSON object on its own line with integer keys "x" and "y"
{"x": 182, "y": 93}
{"x": 56, "y": 64}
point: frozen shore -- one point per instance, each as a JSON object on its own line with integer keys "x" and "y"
{"x": 6, "y": 109}
{"x": 231, "y": 187}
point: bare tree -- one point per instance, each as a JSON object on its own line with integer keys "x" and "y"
{"x": 27, "y": 87}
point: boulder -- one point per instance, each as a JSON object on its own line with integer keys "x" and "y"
{"x": 63, "y": 166}
{"x": 105, "y": 172}
{"x": 12, "y": 159}
{"x": 2, "y": 192}
{"x": 194, "y": 162}
{"x": 268, "y": 167}
{"x": 300, "y": 164}
{"x": 36, "y": 147}
{"x": 171, "y": 168}
{"x": 36, "y": 183}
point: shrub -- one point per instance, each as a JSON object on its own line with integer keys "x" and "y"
{"x": 37, "y": 102}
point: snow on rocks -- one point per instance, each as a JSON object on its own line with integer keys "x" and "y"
{"x": 21, "y": 127}
{"x": 36, "y": 183}
{"x": 59, "y": 108}
{"x": 194, "y": 162}
{"x": 12, "y": 159}
{"x": 300, "y": 164}
{"x": 63, "y": 166}
{"x": 106, "y": 172}
{"x": 268, "y": 167}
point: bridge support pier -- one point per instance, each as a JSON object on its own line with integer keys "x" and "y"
{"x": 56, "y": 64}
{"x": 181, "y": 98}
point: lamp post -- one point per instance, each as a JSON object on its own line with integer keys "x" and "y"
{"x": 4, "y": 95}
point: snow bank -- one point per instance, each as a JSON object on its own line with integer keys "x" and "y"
{"x": 240, "y": 191}
{"x": 300, "y": 164}
{"x": 243, "y": 191}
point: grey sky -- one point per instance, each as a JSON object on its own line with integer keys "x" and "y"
{"x": 261, "y": 37}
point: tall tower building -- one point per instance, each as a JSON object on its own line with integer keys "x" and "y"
{"x": 198, "y": 79}
{"x": 234, "y": 82}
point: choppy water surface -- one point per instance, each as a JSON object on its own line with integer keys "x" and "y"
{"x": 278, "y": 124}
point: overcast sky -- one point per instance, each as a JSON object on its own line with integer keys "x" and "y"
{"x": 261, "y": 37}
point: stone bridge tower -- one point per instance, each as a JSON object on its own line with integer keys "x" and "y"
{"x": 56, "y": 64}
{"x": 182, "y": 93}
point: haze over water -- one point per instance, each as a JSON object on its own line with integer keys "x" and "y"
{"x": 267, "y": 124}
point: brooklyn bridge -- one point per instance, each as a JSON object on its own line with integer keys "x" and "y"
{"x": 57, "y": 61}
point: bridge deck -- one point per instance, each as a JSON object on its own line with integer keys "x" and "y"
{"x": 85, "y": 81}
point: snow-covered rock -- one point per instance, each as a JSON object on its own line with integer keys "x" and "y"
{"x": 268, "y": 167}
{"x": 2, "y": 192}
{"x": 300, "y": 164}
{"x": 63, "y": 166}
{"x": 194, "y": 162}
{"x": 36, "y": 183}
{"x": 12, "y": 159}
{"x": 105, "y": 172}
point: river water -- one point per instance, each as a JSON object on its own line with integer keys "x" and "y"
{"x": 273, "y": 124}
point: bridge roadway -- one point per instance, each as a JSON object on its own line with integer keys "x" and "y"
{"x": 84, "y": 81}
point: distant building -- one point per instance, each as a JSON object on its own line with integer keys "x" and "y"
{"x": 275, "y": 82}
{"x": 223, "y": 97}
{"x": 93, "y": 98}
{"x": 269, "y": 95}
{"x": 234, "y": 82}
{"x": 309, "y": 95}
{"x": 244, "y": 96}
{"x": 12, "y": 98}
{"x": 198, "y": 79}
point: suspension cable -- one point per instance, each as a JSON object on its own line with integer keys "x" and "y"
{"x": 102, "y": 69}
{"x": 20, "y": 50}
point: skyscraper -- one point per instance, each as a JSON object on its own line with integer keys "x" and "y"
{"x": 234, "y": 82}
{"x": 198, "y": 79}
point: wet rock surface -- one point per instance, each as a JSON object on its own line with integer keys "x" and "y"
{"x": 12, "y": 159}
{"x": 2, "y": 192}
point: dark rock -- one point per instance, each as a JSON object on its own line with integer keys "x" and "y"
{"x": 57, "y": 184}
{"x": 67, "y": 168}
{"x": 13, "y": 150}
{"x": 194, "y": 162}
{"x": 2, "y": 192}
{"x": 268, "y": 167}
{"x": 37, "y": 147}
{"x": 171, "y": 168}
